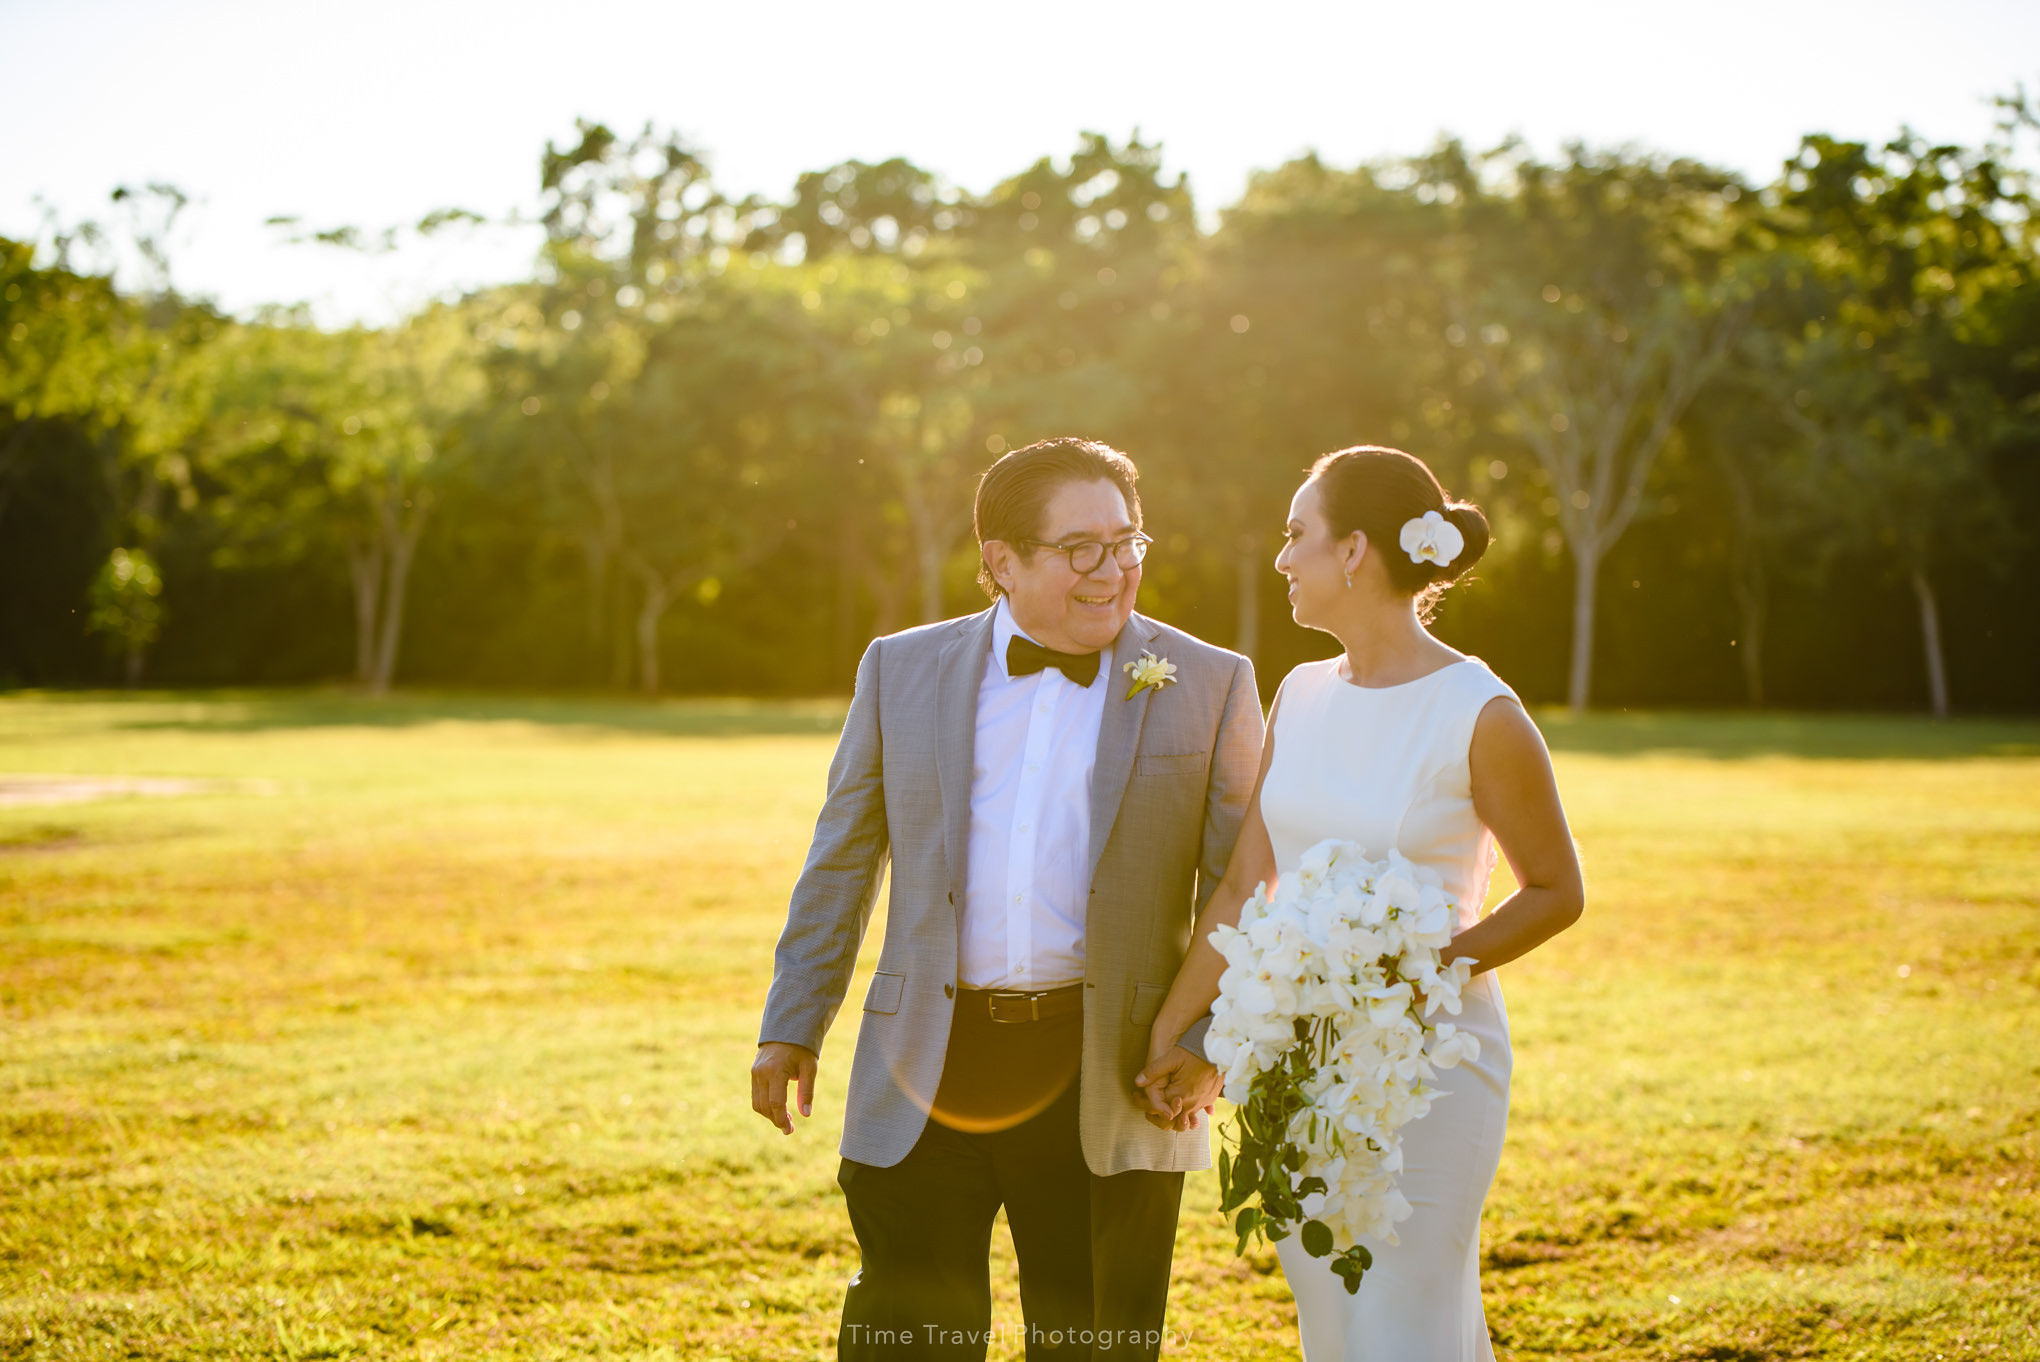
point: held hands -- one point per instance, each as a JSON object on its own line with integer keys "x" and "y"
{"x": 1178, "y": 1084}
{"x": 777, "y": 1064}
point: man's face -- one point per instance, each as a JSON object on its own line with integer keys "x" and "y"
{"x": 1060, "y": 608}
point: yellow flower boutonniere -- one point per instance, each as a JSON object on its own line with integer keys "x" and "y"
{"x": 1149, "y": 670}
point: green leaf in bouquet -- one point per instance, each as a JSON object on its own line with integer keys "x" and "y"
{"x": 1351, "y": 1266}
{"x": 1317, "y": 1238}
{"x": 1311, "y": 1185}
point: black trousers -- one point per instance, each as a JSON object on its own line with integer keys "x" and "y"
{"x": 1094, "y": 1252}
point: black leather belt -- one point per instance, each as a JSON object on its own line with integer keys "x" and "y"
{"x": 1004, "y": 1005}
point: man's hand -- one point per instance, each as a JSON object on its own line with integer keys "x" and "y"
{"x": 778, "y": 1064}
{"x": 1179, "y": 1084}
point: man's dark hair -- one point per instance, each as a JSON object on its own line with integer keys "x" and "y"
{"x": 1013, "y": 494}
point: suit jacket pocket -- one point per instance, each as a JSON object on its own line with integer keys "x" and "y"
{"x": 1147, "y": 1000}
{"x": 1155, "y": 764}
{"x": 884, "y": 995}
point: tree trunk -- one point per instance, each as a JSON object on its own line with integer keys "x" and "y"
{"x": 134, "y": 665}
{"x": 365, "y": 566}
{"x": 1586, "y": 568}
{"x": 401, "y": 539}
{"x": 1751, "y": 646}
{"x": 1930, "y": 633}
{"x": 595, "y": 551}
{"x": 928, "y": 528}
{"x": 1746, "y": 579}
{"x": 849, "y": 554}
{"x": 1247, "y": 633}
{"x": 930, "y": 556}
{"x": 622, "y": 636}
{"x": 889, "y": 597}
{"x": 650, "y": 611}
{"x": 1752, "y": 604}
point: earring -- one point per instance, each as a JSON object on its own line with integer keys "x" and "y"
{"x": 1349, "y": 581}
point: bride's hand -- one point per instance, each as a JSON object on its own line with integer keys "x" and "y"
{"x": 1178, "y": 1084}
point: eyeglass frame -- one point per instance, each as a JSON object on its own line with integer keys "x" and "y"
{"x": 1141, "y": 543}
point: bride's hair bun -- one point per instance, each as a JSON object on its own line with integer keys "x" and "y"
{"x": 1472, "y": 523}
{"x": 1378, "y": 490}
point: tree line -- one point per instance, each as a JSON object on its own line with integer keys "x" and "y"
{"x": 1740, "y": 443}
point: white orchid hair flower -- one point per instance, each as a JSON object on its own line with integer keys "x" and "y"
{"x": 1431, "y": 538}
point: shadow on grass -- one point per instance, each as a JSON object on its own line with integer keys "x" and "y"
{"x": 1724, "y": 735}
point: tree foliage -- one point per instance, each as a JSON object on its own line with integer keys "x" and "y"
{"x": 714, "y": 443}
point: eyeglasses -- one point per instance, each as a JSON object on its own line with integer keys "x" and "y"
{"x": 1088, "y": 555}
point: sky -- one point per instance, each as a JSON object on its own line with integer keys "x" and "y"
{"x": 375, "y": 112}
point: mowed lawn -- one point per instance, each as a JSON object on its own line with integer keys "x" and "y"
{"x": 422, "y": 1029}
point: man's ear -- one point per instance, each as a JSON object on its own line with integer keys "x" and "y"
{"x": 1001, "y": 561}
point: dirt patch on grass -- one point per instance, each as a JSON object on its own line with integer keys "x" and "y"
{"x": 17, "y": 791}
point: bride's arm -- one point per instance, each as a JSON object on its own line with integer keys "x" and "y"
{"x": 1516, "y": 795}
{"x": 1252, "y": 862}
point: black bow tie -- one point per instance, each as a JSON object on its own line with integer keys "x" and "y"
{"x": 1024, "y": 658}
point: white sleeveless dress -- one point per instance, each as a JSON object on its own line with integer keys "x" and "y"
{"x": 1387, "y": 767}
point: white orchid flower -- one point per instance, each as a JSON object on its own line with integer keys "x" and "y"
{"x": 1431, "y": 538}
{"x": 1345, "y": 948}
{"x": 1385, "y": 1005}
{"x": 1149, "y": 671}
{"x": 1454, "y": 1047}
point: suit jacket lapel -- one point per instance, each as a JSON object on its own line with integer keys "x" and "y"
{"x": 958, "y": 672}
{"x": 1118, "y": 735}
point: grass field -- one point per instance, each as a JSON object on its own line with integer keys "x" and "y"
{"x": 422, "y": 1031}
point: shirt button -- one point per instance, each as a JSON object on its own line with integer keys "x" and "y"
{"x": 1019, "y": 898}
{"x": 1023, "y": 827}
{"x": 1033, "y": 767}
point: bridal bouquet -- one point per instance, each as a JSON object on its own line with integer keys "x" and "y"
{"x": 1322, "y": 1026}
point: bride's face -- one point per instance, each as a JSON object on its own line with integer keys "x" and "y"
{"x": 1314, "y": 562}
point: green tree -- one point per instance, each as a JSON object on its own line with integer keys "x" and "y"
{"x": 337, "y": 442}
{"x": 61, "y": 341}
{"x": 1912, "y": 246}
{"x": 128, "y": 370}
{"x": 1603, "y": 291}
{"x": 125, "y": 606}
{"x": 1311, "y": 323}
{"x": 966, "y": 325}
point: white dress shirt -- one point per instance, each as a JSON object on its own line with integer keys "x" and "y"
{"x": 1029, "y": 869}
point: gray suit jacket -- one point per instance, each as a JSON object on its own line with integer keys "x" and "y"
{"x": 1174, "y": 771}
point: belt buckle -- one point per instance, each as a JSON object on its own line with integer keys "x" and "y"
{"x": 1033, "y": 1001}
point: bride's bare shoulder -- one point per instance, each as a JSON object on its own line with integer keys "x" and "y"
{"x": 1312, "y": 673}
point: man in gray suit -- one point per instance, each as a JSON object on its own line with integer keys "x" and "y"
{"x": 1057, "y": 783}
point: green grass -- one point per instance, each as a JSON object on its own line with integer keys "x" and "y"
{"x": 423, "y": 1032}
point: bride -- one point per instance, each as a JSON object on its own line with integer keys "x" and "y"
{"x": 1402, "y": 743}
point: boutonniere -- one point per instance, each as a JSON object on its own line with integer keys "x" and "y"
{"x": 1149, "y": 671}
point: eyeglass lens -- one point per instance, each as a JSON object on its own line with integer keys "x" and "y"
{"x": 1087, "y": 556}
